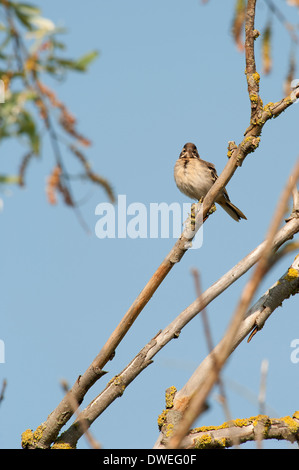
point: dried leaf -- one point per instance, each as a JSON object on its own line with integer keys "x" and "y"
{"x": 53, "y": 185}
{"x": 95, "y": 178}
{"x": 238, "y": 23}
{"x": 266, "y": 49}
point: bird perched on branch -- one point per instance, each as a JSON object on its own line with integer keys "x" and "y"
{"x": 194, "y": 177}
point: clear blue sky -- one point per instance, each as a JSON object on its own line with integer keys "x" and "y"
{"x": 168, "y": 73}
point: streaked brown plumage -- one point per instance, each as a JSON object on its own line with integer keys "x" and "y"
{"x": 194, "y": 177}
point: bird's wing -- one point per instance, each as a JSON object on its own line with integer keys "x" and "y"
{"x": 212, "y": 171}
{"x": 215, "y": 176}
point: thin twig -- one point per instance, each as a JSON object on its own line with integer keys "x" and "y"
{"x": 262, "y": 399}
{"x": 208, "y": 336}
{"x": 2, "y": 393}
{"x": 262, "y": 392}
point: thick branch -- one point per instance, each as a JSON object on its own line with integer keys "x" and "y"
{"x": 244, "y": 430}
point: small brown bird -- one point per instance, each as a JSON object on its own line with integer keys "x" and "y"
{"x": 194, "y": 177}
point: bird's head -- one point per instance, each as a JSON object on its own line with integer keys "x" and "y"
{"x": 189, "y": 150}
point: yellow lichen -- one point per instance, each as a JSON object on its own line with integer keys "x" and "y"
{"x": 204, "y": 429}
{"x": 296, "y": 415}
{"x": 291, "y": 275}
{"x": 169, "y": 430}
{"x": 27, "y": 438}
{"x": 162, "y": 418}
{"x": 256, "y": 77}
{"x": 203, "y": 442}
{"x": 268, "y": 105}
{"x": 253, "y": 97}
{"x": 38, "y": 432}
{"x": 241, "y": 422}
{"x": 61, "y": 445}
{"x": 211, "y": 428}
{"x": 213, "y": 209}
{"x": 268, "y": 109}
{"x": 291, "y": 423}
{"x": 119, "y": 382}
{"x": 30, "y": 438}
{"x": 169, "y": 396}
{"x": 223, "y": 442}
{"x": 255, "y": 419}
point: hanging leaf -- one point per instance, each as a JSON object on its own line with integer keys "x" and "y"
{"x": 26, "y": 126}
{"x": 24, "y": 19}
{"x": 80, "y": 65}
{"x": 287, "y": 86}
{"x": 266, "y": 49}
{"x": 25, "y": 8}
{"x": 83, "y": 62}
{"x": 52, "y": 185}
{"x": 238, "y": 23}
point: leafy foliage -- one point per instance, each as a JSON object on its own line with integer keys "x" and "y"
{"x": 30, "y": 52}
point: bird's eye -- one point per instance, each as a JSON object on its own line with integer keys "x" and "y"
{"x": 194, "y": 153}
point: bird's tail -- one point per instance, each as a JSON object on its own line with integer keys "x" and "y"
{"x": 232, "y": 210}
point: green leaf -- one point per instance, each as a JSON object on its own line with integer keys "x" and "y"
{"x": 25, "y": 8}
{"x": 26, "y": 125}
{"x": 24, "y": 19}
{"x": 6, "y": 41}
{"x": 57, "y": 44}
{"x": 9, "y": 179}
{"x": 80, "y": 65}
{"x": 83, "y": 62}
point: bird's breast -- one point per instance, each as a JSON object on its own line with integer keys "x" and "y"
{"x": 192, "y": 178}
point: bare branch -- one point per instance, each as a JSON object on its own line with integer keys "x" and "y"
{"x": 252, "y": 76}
{"x": 244, "y": 430}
